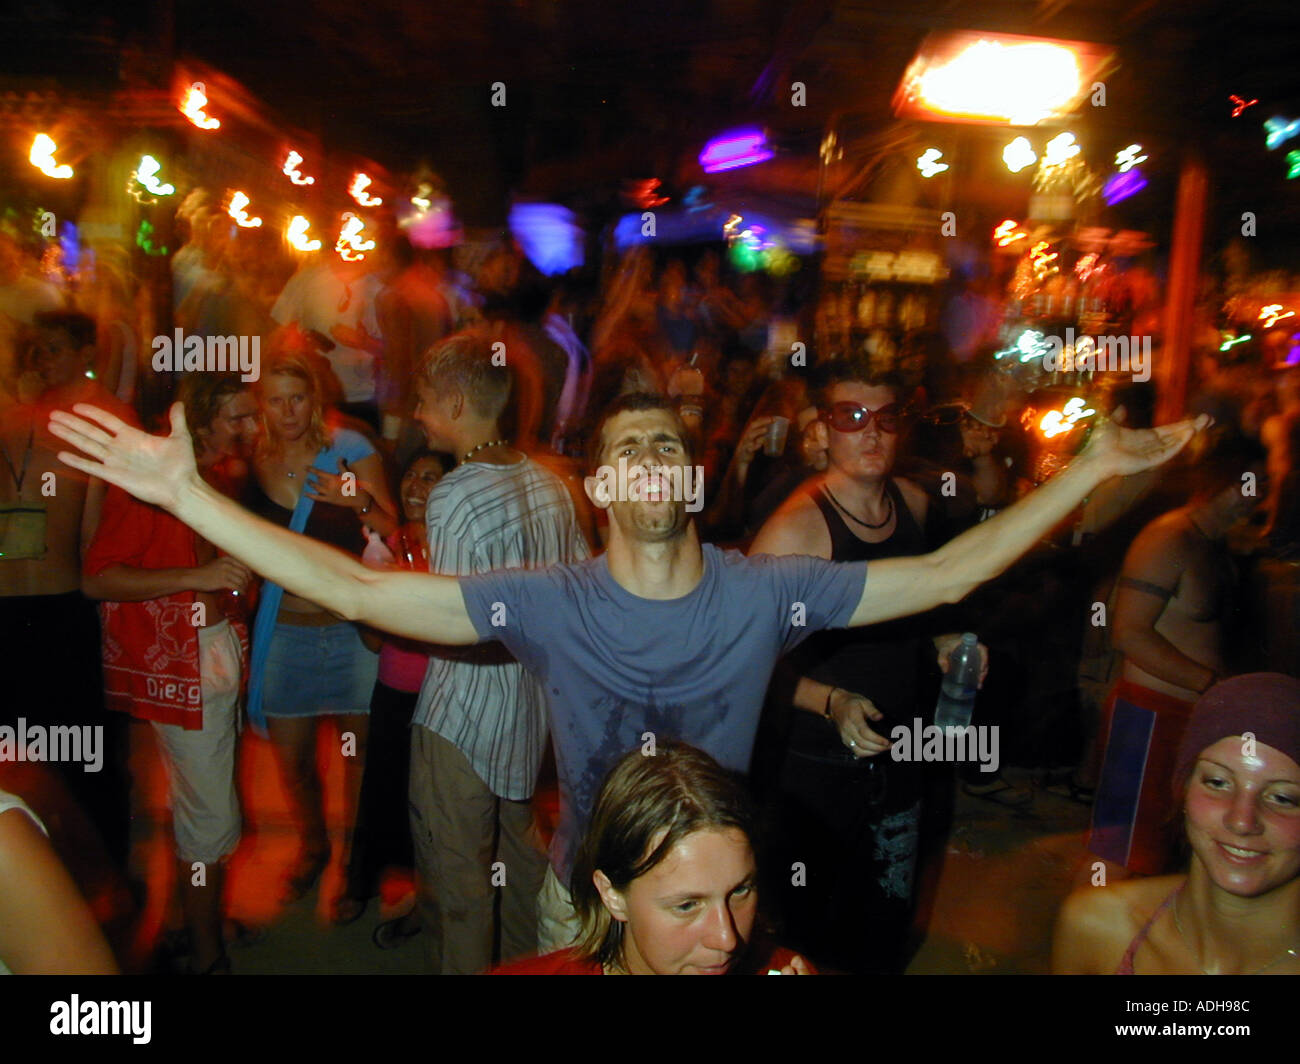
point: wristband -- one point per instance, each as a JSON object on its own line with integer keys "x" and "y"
{"x": 826, "y": 710}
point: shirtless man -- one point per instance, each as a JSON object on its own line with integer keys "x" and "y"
{"x": 661, "y": 634}
{"x": 1172, "y": 602}
{"x": 49, "y": 634}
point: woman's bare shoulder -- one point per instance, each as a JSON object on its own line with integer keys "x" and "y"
{"x": 1096, "y": 924}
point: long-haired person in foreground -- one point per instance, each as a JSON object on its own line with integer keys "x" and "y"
{"x": 308, "y": 662}
{"x": 666, "y": 881}
{"x": 1237, "y": 910}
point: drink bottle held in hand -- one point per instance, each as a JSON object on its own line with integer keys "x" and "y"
{"x": 960, "y": 682}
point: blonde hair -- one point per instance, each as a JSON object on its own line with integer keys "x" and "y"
{"x": 293, "y": 364}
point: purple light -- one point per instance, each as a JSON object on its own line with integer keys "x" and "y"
{"x": 743, "y": 147}
{"x": 1121, "y": 186}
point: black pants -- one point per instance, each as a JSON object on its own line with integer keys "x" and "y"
{"x": 51, "y": 671}
{"x": 849, "y": 840}
{"x": 382, "y": 837}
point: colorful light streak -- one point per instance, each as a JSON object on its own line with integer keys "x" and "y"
{"x": 1019, "y": 154}
{"x": 357, "y": 190}
{"x": 350, "y": 245}
{"x": 193, "y": 104}
{"x": 1273, "y": 313}
{"x": 146, "y": 175}
{"x": 1228, "y": 345}
{"x": 731, "y": 151}
{"x": 42, "y": 157}
{"x": 296, "y": 234}
{"x": 1059, "y": 422}
{"x": 1119, "y": 187}
{"x": 1008, "y": 233}
{"x": 1280, "y": 131}
{"x": 238, "y": 201}
{"x": 1241, "y": 105}
{"x": 929, "y": 164}
{"x": 290, "y": 169}
{"x": 1060, "y": 150}
{"x": 1129, "y": 158}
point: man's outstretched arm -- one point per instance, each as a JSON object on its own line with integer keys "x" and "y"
{"x": 161, "y": 470}
{"x": 899, "y": 587}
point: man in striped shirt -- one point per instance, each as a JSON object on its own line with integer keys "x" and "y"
{"x": 482, "y": 724}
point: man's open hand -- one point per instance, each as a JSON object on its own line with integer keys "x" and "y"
{"x": 1119, "y": 451}
{"x": 156, "y": 469}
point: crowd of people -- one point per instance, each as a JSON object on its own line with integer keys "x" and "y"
{"x": 403, "y": 527}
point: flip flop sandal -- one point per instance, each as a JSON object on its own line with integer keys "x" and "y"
{"x": 392, "y": 933}
{"x": 1000, "y": 792}
{"x": 304, "y": 875}
{"x": 1065, "y": 787}
{"x": 347, "y": 910}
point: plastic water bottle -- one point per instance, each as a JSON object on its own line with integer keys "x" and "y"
{"x": 960, "y": 682}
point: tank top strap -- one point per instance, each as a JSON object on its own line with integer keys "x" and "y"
{"x": 1126, "y": 963}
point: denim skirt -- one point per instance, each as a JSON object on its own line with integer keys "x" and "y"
{"x": 315, "y": 671}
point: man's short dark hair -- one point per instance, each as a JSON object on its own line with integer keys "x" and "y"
{"x": 465, "y": 361}
{"x": 634, "y": 402}
{"x": 850, "y": 370}
{"x": 80, "y": 327}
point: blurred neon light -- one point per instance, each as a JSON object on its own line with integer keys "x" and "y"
{"x": 929, "y": 164}
{"x": 297, "y": 235}
{"x": 1019, "y": 154}
{"x": 549, "y": 235}
{"x": 357, "y": 190}
{"x": 290, "y": 169}
{"x": 1058, "y": 422}
{"x": 1228, "y": 345}
{"x": 1060, "y": 150}
{"x": 147, "y": 175}
{"x": 1008, "y": 233}
{"x": 1293, "y": 164}
{"x": 1123, "y": 185}
{"x": 1272, "y": 314}
{"x": 1280, "y": 130}
{"x": 42, "y": 157}
{"x": 744, "y": 147}
{"x": 238, "y": 201}
{"x": 1241, "y": 105}
{"x": 1129, "y": 158}
{"x": 350, "y": 245}
{"x": 1021, "y": 83}
{"x": 193, "y": 104}
{"x": 421, "y": 197}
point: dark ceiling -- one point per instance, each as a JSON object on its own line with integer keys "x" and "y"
{"x": 598, "y": 90}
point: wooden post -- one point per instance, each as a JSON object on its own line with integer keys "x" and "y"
{"x": 1174, "y": 365}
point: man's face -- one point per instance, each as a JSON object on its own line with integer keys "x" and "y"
{"x": 869, "y": 453}
{"x": 646, "y": 443}
{"x": 234, "y": 429}
{"x": 977, "y": 439}
{"x": 57, "y": 358}
{"x": 694, "y": 911}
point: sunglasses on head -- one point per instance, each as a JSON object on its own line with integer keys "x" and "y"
{"x": 854, "y": 417}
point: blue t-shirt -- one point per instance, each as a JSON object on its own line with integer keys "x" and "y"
{"x": 615, "y": 666}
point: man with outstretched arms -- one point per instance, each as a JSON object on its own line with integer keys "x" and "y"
{"x": 658, "y": 638}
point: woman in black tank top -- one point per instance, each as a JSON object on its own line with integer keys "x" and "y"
{"x": 852, "y": 823}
